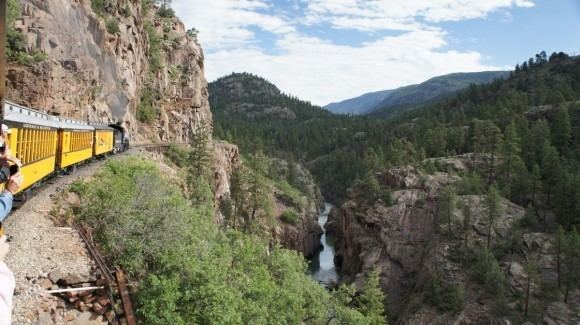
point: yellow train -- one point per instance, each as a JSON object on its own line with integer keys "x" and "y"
{"x": 48, "y": 144}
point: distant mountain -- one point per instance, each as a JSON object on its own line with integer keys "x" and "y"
{"x": 387, "y": 102}
{"x": 360, "y": 105}
{"x": 250, "y": 97}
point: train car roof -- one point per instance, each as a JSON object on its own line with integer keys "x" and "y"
{"x": 14, "y": 113}
{"x": 98, "y": 126}
{"x": 69, "y": 124}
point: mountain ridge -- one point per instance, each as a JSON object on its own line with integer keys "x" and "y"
{"x": 386, "y": 102}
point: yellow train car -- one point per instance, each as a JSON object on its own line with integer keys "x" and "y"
{"x": 33, "y": 140}
{"x": 75, "y": 142}
{"x": 104, "y": 139}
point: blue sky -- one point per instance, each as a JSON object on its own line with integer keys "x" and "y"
{"x": 329, "y": 50}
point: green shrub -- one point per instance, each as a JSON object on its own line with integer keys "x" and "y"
{"x": 470, "y": 184}
{"x": 79, "y": 187}
{"x": 155, "y": 48}
{"x": 29, "y": 59}
{"x": 146, "y": 5}
{"x": 447, "y": 297}
{"x": 15, "y": 41}
{"x": 112, "y": 26}
{"x": 487, "y": 272}
{"x": 127, "y": 11}
{"x": 136, "y": 215}
{"x": 99, "y": 7}
{"x": 189, "y": 272}
{"x": 166, "y": 12}
{"x": 177, "y": 154}
{"x": 290, "y": 217}
{"x": 388, "y": 198}
{"x": 290, "y": 195}
{"x": 147, "y": 110}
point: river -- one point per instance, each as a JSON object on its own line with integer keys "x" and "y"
{"x": 322, "y": 265}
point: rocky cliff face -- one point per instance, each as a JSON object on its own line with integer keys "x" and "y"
{"x": 100, "y": 74}
{"x": 407, "y": 243}
{"x": 304, "y": 236}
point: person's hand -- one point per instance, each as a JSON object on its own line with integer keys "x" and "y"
{"x": 4, "y": 248}
{"x": 8, "y": 157}
{"x": 14, "y": 183}
{"x": 16, "y": 161}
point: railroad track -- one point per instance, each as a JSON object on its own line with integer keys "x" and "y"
{"x": 112, "y": 280}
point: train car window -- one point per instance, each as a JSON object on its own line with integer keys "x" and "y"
{"x": 33, "y": 145}
{"x": 26, "y": 145}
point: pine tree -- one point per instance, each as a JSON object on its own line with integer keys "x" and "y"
{"x": 561, "y": 130}
{"x": 532, "y": 277}
{"x": 447, "y": 206}
{"x": 487, "y": 139}
{"x": 466, "y": 224}
{"x": 536, "y": 182}
{"x": 199, "y": 161}
{"x": 258, "y": 188}
{"x": 292, "y": 174}
{"x": 551, "y": 170}
{"x": 239, "y": 191}
{"x": 510, "y": 149}
{"x": 559, "y": 241}
{"x": 539, "y": 133}
{"x": 371, "y": 301}
{"x": 520, "y": 182}
{"x": 492, "y": 205}
{"x": 571, "y": 262}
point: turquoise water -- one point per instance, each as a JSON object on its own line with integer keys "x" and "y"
{"x": 322, "y": 265}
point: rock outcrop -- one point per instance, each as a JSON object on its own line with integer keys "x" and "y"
{"x": 407, "y": 243}
{"x": 94, "y": 72}
{"x": 226, "y": 160}
{"x": 304, "y": 236}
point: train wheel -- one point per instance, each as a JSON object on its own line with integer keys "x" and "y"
{"x": 70, "y": 170}
{"x": 20, "y": 199}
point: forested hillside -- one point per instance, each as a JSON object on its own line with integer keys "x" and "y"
{"x": 340, "y": 149}
{"x": 492, "y": 175}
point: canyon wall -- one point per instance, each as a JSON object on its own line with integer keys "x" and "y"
{"x": 410, "y": 245}
{"x": 98, "y": 72}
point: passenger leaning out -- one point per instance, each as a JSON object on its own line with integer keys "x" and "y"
{"x": 7, "y": 281}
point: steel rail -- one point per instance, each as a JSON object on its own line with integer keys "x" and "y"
{"x": 125, "y": 298}
{"x": 98, "y": 258}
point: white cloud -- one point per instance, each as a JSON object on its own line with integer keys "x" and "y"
{"x": 321, "y": 71}
{"x": 226, "y": 23}
{"x": 372, "y": 15}
{"x": 325, "y": 72}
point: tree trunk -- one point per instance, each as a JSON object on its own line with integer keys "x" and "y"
{"x": 558, "y": 270}
{"x": 449, "y": 221}
{"x": 489, "y": 230}
{"x": 527, "y": 299}
{"x": 508, "y": 171}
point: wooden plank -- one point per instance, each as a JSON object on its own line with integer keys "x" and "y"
{"x": 74, "y": 289}
{"x": 125, "y": 298}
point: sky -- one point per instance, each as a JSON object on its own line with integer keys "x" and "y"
{"x": 330, "y": 50}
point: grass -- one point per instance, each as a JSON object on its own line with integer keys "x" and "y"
{"x": 290, "y": 217}
{"x": 289, "y": 194}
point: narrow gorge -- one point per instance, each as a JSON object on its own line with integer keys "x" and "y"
{"x": 322, "y": 264}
